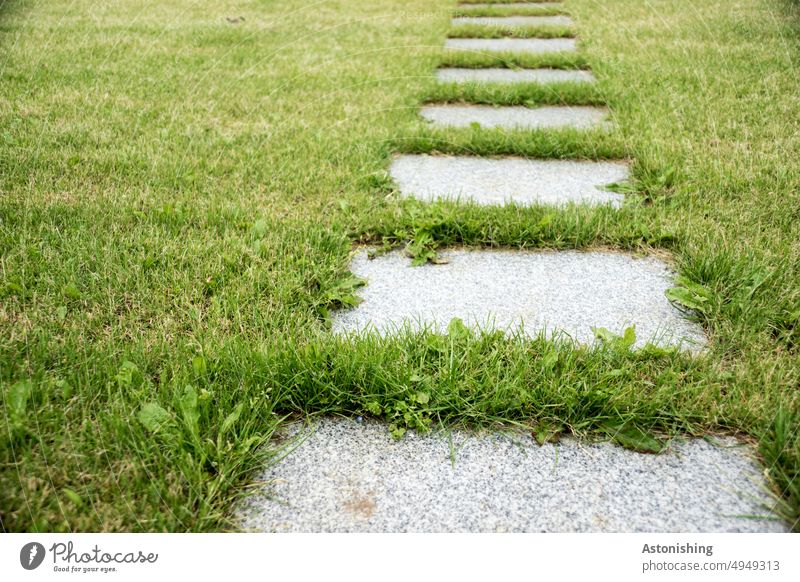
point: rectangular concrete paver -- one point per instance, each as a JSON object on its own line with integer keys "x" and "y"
{"x": 350, "y": 476}
{"x": 512, "y": 45}
{"x": 511, "y": 5}
{"x": 516, "y": 117}
{"x": 513, "y": 21}
{"x": 501, "y": 75}
{"x": 497, "y": 181}
{"x": 558, "y": 292}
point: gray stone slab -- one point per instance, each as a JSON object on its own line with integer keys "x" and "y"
{"x": 512, "y": 45}
{"x": 500, "y": 75}
{"x": 559, "y": 292}
{"x": 516, "y": 117}
{"x": 513, "y": 21}
{"x": 511, "y": 5}
{"x": 352, "y": 477}
{"x": 501, "y": 180}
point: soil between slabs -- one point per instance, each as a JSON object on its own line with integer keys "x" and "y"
{"x": 516, "y": 117}
{"x": 552, "y": 292}
{"x": 496, "y": 181}
{"x": 499, "y": 75}
{"x": 518, "y": 45}
{"x": 352, "y": 477}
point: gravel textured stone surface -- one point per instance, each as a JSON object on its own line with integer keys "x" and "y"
{"x": 510, "y": 4}
{"x": 497, "y": 181}
{"x": 516, "y": 117}
{"x": 514, "y": 20}
{"x": 515, "y": 45}
{"x": 497, "y": 75}
{"x": 352, "y": 477}
{"x": 555, "y": 291}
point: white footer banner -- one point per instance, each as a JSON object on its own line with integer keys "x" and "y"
{"x": 388, "y": 557}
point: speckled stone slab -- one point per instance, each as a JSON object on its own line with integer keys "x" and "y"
{"x": 516, "y": 117}
{"x": 563, "y": 292}
{"x": 499, "y": 75}
{"x": 501, "y": 180}
{"x": 512, "y": 45}
{"x": 352, "y": 477}
{"x": 511, "y": 5}
{"x": 513, "y": 21}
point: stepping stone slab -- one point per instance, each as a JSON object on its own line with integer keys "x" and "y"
{"x": 513, "y": 20}
{"x": 516, "y": 117}
{"x": 353, "y": 477}
{"x": 555, "y": 292}
{"x": 512, "y": 45}
{"x": 500, "y": 75}
{"x": 497, "y": 181}
{"x": 511, "y": 5}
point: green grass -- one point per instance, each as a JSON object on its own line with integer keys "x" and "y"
{"x": 479, "y": 60}
{"x": 179, "y": 195}
{"x": 517, "y": 93}
{"x": 500, "y": 10}
{"x": 497, "y": 31}
{"x": 557, "y": 143}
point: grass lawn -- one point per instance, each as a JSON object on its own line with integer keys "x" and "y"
{"x": 181, "y": 184}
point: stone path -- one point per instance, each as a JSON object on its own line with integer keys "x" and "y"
{"x": 513, "y": 21}
{"x": 351, "y": 477}
{"x": 512, "y": 45}
{"x": 517, "y": 117}
{"x": 517, "y": 180}
{"x": 496, "y": 75}
{"x": 556, "y": 291}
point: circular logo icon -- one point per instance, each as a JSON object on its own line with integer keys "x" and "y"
{"x": 31, "y": 555}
